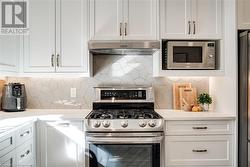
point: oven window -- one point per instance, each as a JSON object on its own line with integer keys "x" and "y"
{"x": 187, "y": 54}
{"x": 124, "y": 155}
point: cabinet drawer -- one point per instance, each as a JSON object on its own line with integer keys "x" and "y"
{"x": 198, "y": 127}
{"x": 24, "y": 154}
{"x": 199, "y": 150}
{"x": 8, "y": 160}
{"x": 7, "y": 143}
{"x": 25, "y": 133}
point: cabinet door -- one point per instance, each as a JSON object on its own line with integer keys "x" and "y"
{"x": 72, "y": 36}
{"x": 39, "y": 45}
{"x": 176, "y": 19}
{"x": 9, "y": 53}
{"x": 63, "y": 145}
{"x": 199, "y": 150}
{"x": 25, "y": 155}
{"x": 8, "y": 160}
{"x": 206, "y": 19}
{"x": 140, "y": 19}
{"x": 106, "y": 19}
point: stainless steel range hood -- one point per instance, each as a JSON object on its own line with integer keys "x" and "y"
{"x": 124, "y": 47}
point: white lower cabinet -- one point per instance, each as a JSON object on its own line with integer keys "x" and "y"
{"x": 199, "y": 143}
{"x": 198, "y": 150}
{"x": 62, "y": 144}
{"x": 17, "y": 147}
{"x": 8, "y": 160}
{"x": 25, "y": 155}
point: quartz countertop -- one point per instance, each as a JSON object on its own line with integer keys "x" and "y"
{"x": 185, "y": 115}
{"x": 11, "y": 120}
{"x": 58, "y": 114}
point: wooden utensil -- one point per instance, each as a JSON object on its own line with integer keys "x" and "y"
{"x": 176, "y": 94}
{"x": 188, "y": 96}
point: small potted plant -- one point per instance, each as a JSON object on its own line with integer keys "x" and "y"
{"x": 204, "y": 100}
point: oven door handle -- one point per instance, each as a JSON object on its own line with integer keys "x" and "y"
{"x": 117, "y": 140}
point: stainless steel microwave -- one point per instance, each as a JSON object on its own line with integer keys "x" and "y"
{"x": 189, "y": 55}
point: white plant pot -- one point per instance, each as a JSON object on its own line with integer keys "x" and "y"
{"x": 205, "y": 107}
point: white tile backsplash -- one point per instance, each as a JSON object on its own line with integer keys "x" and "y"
{"x": 51, "y": 93}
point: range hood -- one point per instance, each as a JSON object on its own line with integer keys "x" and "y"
{"x": 124, "y": 47}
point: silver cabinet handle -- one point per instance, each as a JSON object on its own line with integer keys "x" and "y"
{"x": 194, "y": 27}
{"x": 57, "y": 60}
{"x": 25, "y": 154}
{"x": 199, "y": 151}
{"x": 120, "y": 29}
{"x": 66, "y": 124}
{"x": 189, "y": 27}
{"x": 25, "y": 133}
{"x": 52, "y": 60}
{"x": 199, "y": 127}
{"x": 126, "y": 31}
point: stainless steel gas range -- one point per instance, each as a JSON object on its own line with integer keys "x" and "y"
{"x": 123, "y": 130}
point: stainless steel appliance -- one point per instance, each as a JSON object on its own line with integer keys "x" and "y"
{"x": 182, "y": 55}
{"x": 244, "y": 100}
{"x": 123, "y": 130}
{"x": 14, "y": 97}
{"x": 124, "y": 47}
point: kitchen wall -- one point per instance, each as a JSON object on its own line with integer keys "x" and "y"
{"x": 51, "y": 92}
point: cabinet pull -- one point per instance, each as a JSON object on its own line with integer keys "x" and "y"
{"x": 66, "y": 124}
{"x": 25, "y": 154}
{"x": 57, "y": 60}
{"x": 52, "y": 60}
{"x": 126, "y": 32}
{"x": 199, "y": 127}
{"x": 199, "y": 151}
{"x": 194, "y": 27}
{"x": 25, "y": 133}
{"x": 189, "y": 27}
{"x": 120, "y": 29}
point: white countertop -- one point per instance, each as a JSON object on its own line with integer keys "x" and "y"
{"x": 58, "y": 114}
{"x": 11, "y": 120}
{"x": 185, "y": 115}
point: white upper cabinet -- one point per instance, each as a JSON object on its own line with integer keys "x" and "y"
{"x": 72, "y": 49}
{"x": 207, "y": 19}
{"x": 9, "y": 53}
{"x": 106, "y": 19}
{"x": 123, "y": 19}
{"x": 140, "y": 19}
{"x": 39, "y": 45}
{"x": 58, "y": 37}
{"x": 191, "y": 19}
{"x": 176, "y": 18}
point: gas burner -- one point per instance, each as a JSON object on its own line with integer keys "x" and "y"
{"x": 125, "y": 109}
{"x": 124, "y": 114}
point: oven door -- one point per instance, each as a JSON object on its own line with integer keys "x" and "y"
{"x": 124, "y": 150}
{"x": 186, "y": 55}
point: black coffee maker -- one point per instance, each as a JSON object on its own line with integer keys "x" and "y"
{"x": 14, "y": 97}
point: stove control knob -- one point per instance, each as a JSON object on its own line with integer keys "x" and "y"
{"x": 142, "y": 123}
{"x": 152, "y": 123}
{"x": 96, "y": 124}
{"x": 106, "y": 123}
{"x": 124, "y": 124}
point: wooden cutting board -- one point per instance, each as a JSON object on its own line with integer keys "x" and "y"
{"x": 176, "y": 94}
{"x": 188, "y": 96}
{"x": 2, "y": 82}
